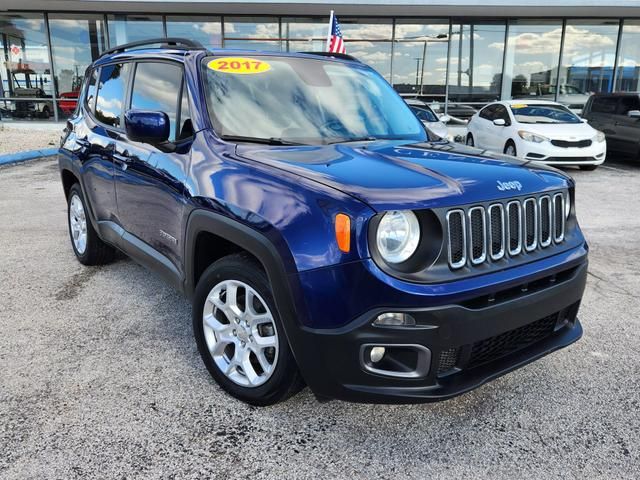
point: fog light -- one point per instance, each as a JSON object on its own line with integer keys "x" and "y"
{"x": 395, "y": 319}
{"x": 376, "y": 354}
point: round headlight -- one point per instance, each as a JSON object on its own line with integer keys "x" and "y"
{"x": 398, "y": 235}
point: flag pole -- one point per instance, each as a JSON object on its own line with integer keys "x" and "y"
{"x": 329, "y": 32}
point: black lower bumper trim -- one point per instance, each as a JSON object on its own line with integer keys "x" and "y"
{"x": 475, "y": 345}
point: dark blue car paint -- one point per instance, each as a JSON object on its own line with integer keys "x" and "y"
{"x": 289, "y": 196}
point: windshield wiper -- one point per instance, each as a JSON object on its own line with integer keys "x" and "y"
{"x": 368, "y": 138}
{"x": 266, "y": 141}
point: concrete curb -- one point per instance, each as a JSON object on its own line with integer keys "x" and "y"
{"x": 24, "y": 156}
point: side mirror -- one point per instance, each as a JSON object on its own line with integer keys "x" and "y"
{"x": 584, "y": 120}
{"x": 147, "y": 126}
{"x": 445, "y": 118}
{"x": 634, "y": 113}
{"x": 499, "y": 122}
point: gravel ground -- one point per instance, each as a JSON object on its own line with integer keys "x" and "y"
{"x": 18, "y": 138}
{"x": 100, "y": 376}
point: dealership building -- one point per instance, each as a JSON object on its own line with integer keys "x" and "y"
{"x": 456, "y": 54}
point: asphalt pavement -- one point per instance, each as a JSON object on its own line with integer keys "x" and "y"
{"x": 100, "y": 376}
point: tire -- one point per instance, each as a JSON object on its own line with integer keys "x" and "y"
{"x": 470, "y": 141}
{"x": 588, "y": 168}
{"x": 91, "y": 251}
{"x": 511, "y": 145}
{"x": 229, "y": 340}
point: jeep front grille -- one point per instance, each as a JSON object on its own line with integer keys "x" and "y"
{"x": 480, "y": 234}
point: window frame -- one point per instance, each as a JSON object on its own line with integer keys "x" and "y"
{"x": 129, "y": 95}
{"x": 82, "y": 102}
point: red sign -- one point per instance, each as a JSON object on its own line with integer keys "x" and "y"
{"x": 15, "y": 49}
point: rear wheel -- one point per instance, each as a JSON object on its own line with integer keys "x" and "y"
{"x": 470, "y": 140}
{"x": 240, "y": 335}
{"x": 588, "y": 168}
{"x": 510, "y": 149}
{"x": 87, "y": 246}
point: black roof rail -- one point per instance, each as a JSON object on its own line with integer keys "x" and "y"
{"x": 165, "y": 42}
{"x": 342, "y": 56}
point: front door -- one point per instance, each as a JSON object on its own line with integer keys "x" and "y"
{"x": 150, "y": 178}
{"x": 628, "y": 128}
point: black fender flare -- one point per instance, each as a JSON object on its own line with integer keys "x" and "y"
{"x": 279, "y": 270}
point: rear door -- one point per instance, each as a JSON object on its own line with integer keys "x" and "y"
{"x": 627, "y": 128}
{"x": 98, "y": 134}
{"x": 150, "y": 178}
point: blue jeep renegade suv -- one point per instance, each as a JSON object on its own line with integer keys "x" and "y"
{"x": 322, "y": 235}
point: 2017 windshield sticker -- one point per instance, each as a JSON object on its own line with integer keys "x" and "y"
{"x": 239, "y": 65}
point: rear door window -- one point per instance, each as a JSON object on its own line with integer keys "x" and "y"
{"x": 156, "y": 86}
{"x": 111, "y": 92}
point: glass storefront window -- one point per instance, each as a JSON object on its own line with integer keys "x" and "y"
{"x": 475, "y": 71}
{"x": 76, "y": 41}
{"x": 25, "y": 68}
{"x": 253, "y": 33}
{"x": 131, "y": 28}
{"x": 369, "y": 40}
{"x": 305, "y": 34}
{"x": 206, "y": 30}
{"x": 420, "y": 58}
{"x": 531, "y": 61}
{"x": 587, "y": 60}
{"x": 628, "y": 74}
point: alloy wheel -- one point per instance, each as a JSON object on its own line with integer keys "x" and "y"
{"x": 240, "y": 333}
{"x": 78, "y": 223}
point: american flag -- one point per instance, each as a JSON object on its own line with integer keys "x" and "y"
{"x": 335, "y": 43}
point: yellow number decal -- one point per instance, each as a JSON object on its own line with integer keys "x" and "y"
{"x": 515, "y": 106}
{"x": 239, "y": 65}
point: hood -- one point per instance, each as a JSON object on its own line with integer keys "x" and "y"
{"x": 560, "y": 131}
{"x": 391, "y": 175}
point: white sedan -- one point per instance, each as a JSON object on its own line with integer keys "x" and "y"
{"x": 537, "y": 130}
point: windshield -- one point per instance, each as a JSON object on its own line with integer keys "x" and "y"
{"x": 543, "y": 114}
{"x": 302, "y": 100}
{"x": 425, "y": 114}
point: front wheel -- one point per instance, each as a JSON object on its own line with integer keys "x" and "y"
{"x": 510, "y": 149}
{"x": 239, "y": 333}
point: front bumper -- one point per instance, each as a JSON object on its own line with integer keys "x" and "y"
{"x": 468, "y": 344}
{"x": 552, "y": 155}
